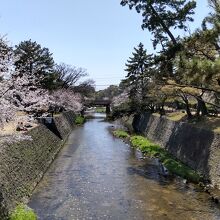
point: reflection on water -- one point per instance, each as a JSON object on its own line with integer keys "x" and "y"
{"x": 97, "y": 176}
{"x": 95, "y": 114}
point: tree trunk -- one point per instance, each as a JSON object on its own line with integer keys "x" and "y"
{"x": 188, "y": 111}
{"x": 108, "y": 109}
{"x": 201, "y": 107}
{"x": 162, "y": 111}
{"x": 166, "y": 29}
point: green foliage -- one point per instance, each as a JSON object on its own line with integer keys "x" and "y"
{"x": 191, "y": 62}
{"x": 79, "y": 120}
{"x": 182, "y": 170}
{"x": 139, "y": 74}
{"x": 122, "y": 110}
{"x": 196, "y": 71}
{"x": 100, "y": 110}
{"x": 145, "y": 145}
{"x": 86, "y": 88}
{"x": 22, "y": 212}
{"x": 35, "y": 60}
{"x": 173, "y": 165}
{"x": 154, "y": 150}
{"x": 109, "y": 92}
{"x": 121, "y": 134}
{"x": 138, "y": 64}
{"x": 160, "y": 16}
{"x": 176, "y": 116}
{"x": 211, "y": 24}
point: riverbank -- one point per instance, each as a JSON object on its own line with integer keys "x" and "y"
{"x": 23, "y": 164}
{"x": 196, "y": 147}
{"x": 97, "y": 176}
{"x": 150, "y": 149}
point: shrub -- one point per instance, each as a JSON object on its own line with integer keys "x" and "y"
{"x": 121, "y": 134}
{"x": 79, "y": 120}
{"x": 22, "y": 212}
{"x": 121, "y": 110}
{"x": 144, "y": 145}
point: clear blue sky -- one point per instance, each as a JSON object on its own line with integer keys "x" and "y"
{"x": 98, "y": 35}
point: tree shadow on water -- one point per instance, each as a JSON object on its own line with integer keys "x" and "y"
{"x": 151, "y": 171}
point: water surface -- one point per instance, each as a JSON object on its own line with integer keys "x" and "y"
{"x": 97, "y": 176}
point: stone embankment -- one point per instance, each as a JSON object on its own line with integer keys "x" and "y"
{"x": 23, "y": 164}
{"x": 196, "y": 147}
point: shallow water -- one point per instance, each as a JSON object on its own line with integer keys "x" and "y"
{"x": 97, "y": 176}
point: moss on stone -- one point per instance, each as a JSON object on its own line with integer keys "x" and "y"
{"x": 22, "y": 212}
{"x": 154, "y": 150}
{"x": 182, "y": 170}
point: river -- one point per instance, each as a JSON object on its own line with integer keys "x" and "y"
{"x": 96, "y": 176}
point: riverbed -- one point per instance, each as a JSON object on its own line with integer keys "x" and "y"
{"x": 96, "y": 176}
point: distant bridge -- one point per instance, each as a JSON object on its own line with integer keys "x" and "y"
{"x": 96, "y": 102}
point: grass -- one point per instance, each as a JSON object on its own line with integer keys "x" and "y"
{"x": 121, "y": 134}
{"x": 174, "y": 116}
{"x": 173, "y": 165}
{"x": 153, "y": 150}
{"x": 206, "y": 122}
{"x": 217, "y": 130}
{"x": 182, "y": 170}
{"x": 100, "y": 110}
{"x": 145, "y": 145}
{"x": 22, "y": 212}
{"x": 79, "y": 120}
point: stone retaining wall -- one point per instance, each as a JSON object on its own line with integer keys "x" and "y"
{"x": 23, "y": 164}
{"x": 196, "y": 147}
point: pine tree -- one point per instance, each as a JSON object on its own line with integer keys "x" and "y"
{"x": 33, "y": 59}
{"x": 211, "y": 24}
{"x": 138, "y": 68}
{"x": 161, "y": 16}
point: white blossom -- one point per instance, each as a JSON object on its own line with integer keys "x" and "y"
{"x": 67, "y": 99}
{"x": 120, "y": 99}
{"x": 21, "y": 91}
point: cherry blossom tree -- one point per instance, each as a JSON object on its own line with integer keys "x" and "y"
{"x": 7, "y": 110}
{"x": 121, "y": 98}
{"x": 18, "y": 92}
{"x": 22, "y": 91}
{"x": 67, "y": 99}
{"x": 27, "y": 96}
{"x": 120, "y": 104}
